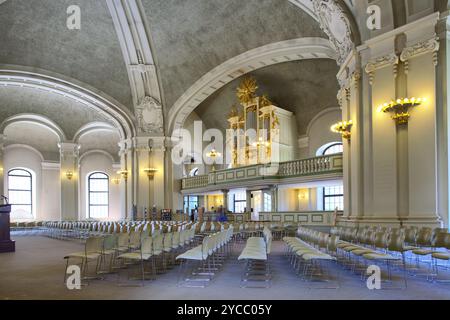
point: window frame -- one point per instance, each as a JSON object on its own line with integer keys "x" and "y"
{"x": 238, "y": 201}
{"x": 324, "y": 153}
{"x": 335, "y": 195}
{"x": 31, "y": 190}
{"x": 89, "y": 178}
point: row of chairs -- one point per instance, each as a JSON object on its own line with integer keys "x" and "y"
{"x": 256, "y": 256}
{"x": 85, "y": 229}
{"x": 200, "y": 264}
{"x": 113, "y": 252}
{"x": 424, "y": 246}
{"x": 312, "y": 255}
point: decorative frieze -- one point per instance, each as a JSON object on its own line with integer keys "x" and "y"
{"x": 381, "y": 62}
{"x": 421, "y": 48}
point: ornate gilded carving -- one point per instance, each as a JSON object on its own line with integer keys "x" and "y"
{"x": 246, "y": 90}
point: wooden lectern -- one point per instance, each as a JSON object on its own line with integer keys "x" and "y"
{"x": 6, "y": 244}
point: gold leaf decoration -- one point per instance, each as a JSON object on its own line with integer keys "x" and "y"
{"x": 233, "y": 112}
{"x": 264, "y": 102}
{"x": 246, "y": 90}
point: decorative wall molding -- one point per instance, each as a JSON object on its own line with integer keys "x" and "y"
{"x": 380, "y": 63}
{"x": 419, "y": 49}
{"x": 68, "y": 149}
{"x": 129, "y": 22}
{"x": 105, "y": 106}
{"x": 290, "y": 50}
{"x": 149, "y": 116}
{"x": 336, "y": 25}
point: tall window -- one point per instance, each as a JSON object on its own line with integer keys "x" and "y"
{"x": 98, "y": 195}
{"x": 20, "y": 193}
{"x": 333, "y": 149}
{"x": 333, "y": 197}
{"x": 239, "y": 202}
{"x": 267, "y": 202}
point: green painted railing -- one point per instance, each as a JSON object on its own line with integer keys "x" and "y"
{"x": 283, "y": 170}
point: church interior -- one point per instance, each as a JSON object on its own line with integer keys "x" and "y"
{"x": 214, "y": 150}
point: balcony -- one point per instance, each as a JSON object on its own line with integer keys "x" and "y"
{"x": 297, "y": 171}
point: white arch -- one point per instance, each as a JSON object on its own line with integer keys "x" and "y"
{"x": 25, "y": 146}
{"x": 23, "y": 77}
{"x": 35, "y": 119}
{"x": 284, "y": 51}
{"x": 319, "y": 115}
{"x": 103, "y": 152}
{"x": 92, "y": 127}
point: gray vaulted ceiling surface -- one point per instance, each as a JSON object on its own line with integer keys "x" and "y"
{"x": 303, "y": 87}
{"x": 33, "y": 33}
{"x": 68, "y": 114}
{"x": 191, "y": 37}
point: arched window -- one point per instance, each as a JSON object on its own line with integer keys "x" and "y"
{"x": 98, "y": 195}
{"x": 333, "y": 196}
{"x": 193, "y": 172}
{"x": 20, "y": 193}
{"x": 333, "y": 149}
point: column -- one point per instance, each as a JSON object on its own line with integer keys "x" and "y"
{"x": 69, "y": 180}
{"x": 127, "y": 179}
{"x": 225, "y": 200}
{"x": 248, "y": 201}
{"x": 144, "y": 180}
{"x": 2, "y": 173}
{"x": 274, "y": 196}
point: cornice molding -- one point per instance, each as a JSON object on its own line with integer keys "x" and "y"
{"x": 285, "y": 51}
{"x": 421, "y": 48}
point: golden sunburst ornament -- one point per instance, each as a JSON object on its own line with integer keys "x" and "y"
{"x": 246, "y": 90}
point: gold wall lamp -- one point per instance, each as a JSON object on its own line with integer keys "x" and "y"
{"x": 69, "y": 175}
{"x": 123, "y": 174}
{"x": 213, "y": 154}
{"x": 344, "y": 128}
{"x": 400, "y": 109}
{"x": 150, "y": 172}
{"x": 115, "y": 180}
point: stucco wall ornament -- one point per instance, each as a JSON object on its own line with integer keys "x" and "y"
{"x": 334, "y": 22}
{"x": 149, "y": 116}
{"x": 421, "y": 48}
{"x": 379, "y": 63}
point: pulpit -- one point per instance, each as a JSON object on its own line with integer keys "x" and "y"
{"x": 6, "y": 244}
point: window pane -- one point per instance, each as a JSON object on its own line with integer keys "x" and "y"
{"x": 20, "y": 197}
{"x": 336, "y": 148}
{"x": 98, "y": 195}
{"x": 19, "y": 183}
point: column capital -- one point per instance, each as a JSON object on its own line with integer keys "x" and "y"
{"x": 69, "y": 149}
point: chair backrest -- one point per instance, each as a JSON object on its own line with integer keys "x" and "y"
{"x": 411, "y": 235}
{"x": 396, "y": 242}
{"x": 135, "y": 239}
{"x": 381, "y": 239}
{"x": 147, "y": 245}
{"x": 168, "y": 240}
{"x": 158, "y": 242}
{"x": 94, "y": 245}
{"x": 424, "y": 237}
{"x": 110, "y": 242}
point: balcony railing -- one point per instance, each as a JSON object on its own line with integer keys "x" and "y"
{"x": 284, "y": 170}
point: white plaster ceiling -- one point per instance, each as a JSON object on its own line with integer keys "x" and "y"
{"x": 105, "y": 140}
{"x": 68, "y": 114}
{"x": 34, "y": 135}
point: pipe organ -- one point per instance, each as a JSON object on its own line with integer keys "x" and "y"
{"x": 262, "y": 132}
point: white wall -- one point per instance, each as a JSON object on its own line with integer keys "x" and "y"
{"x": 27, "y": 158}
{"x": 98, "y": 162}
{"x": 319, "y": 132}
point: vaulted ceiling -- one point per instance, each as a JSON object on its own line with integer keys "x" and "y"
{"x": 188, "y": 39}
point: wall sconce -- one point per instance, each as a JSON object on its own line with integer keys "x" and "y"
{"x": 123, "y": 174}
{"x": 69, "y": 175}
{"x": 213, "y": 154}
{"x": 115, "y": 180}
{"x": 400, "y": 109}
{"x": 150, "y": 172}
{"x": 344, "y": 128}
